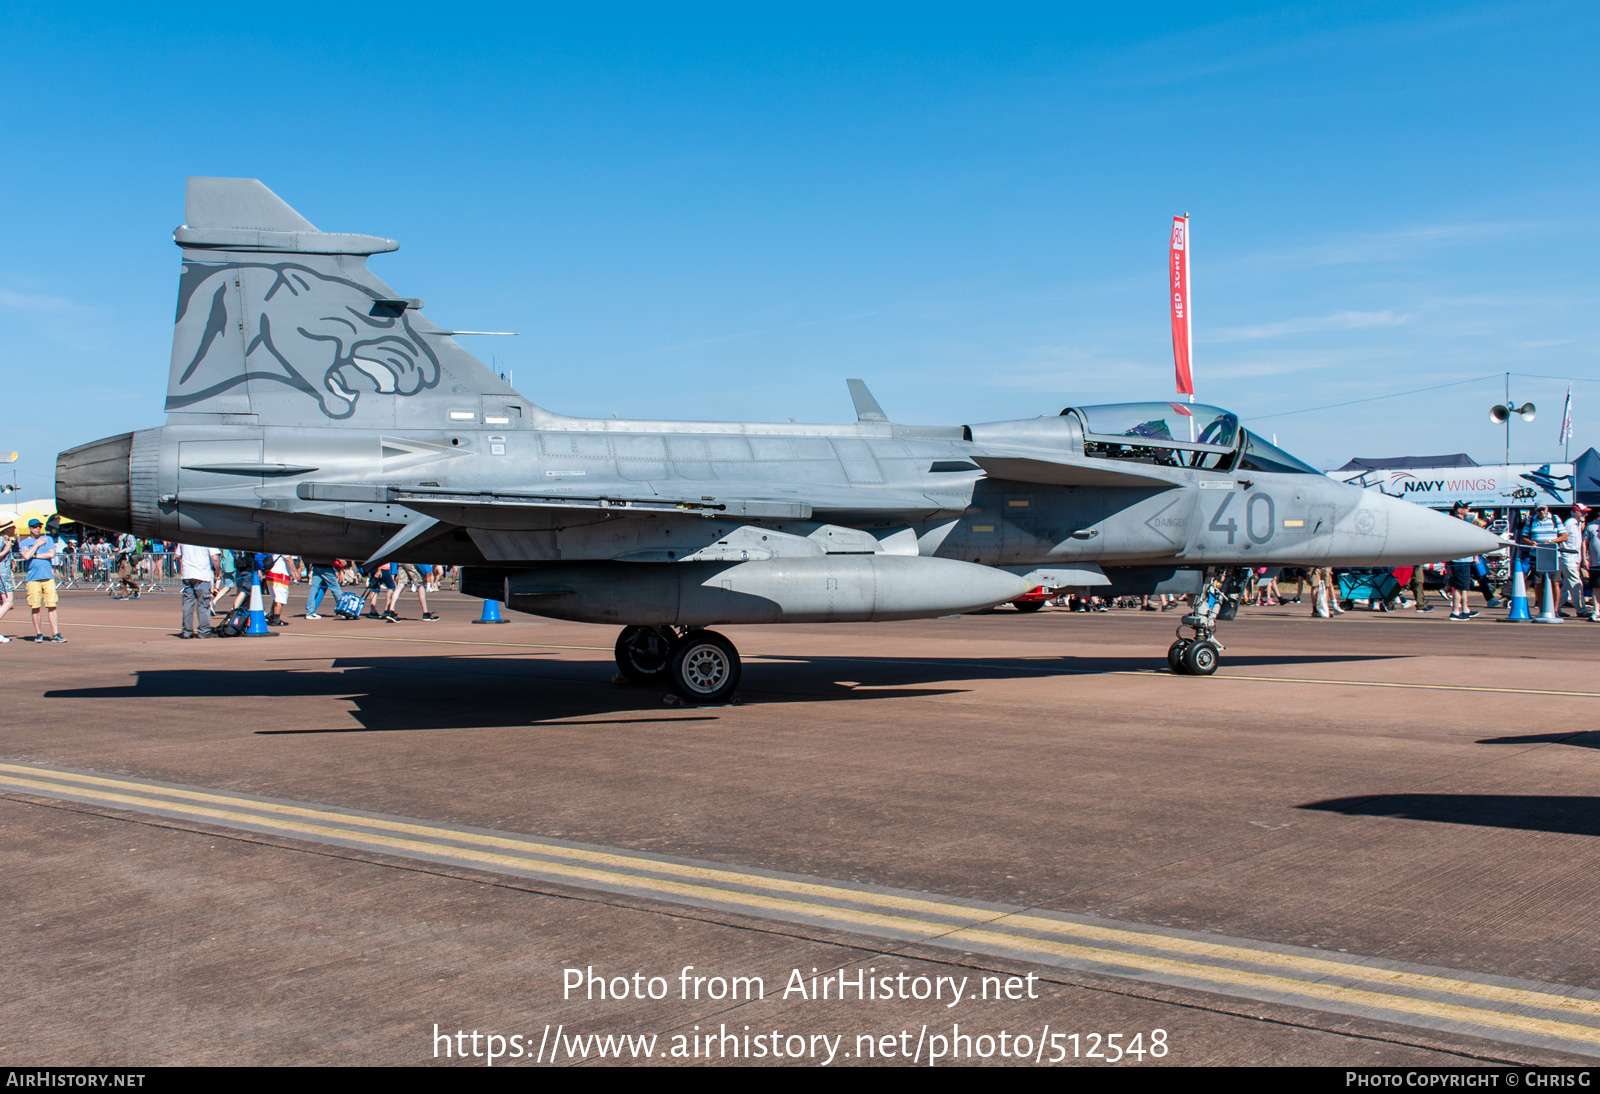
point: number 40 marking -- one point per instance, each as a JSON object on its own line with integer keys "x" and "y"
{"x": 1251, "y": 515}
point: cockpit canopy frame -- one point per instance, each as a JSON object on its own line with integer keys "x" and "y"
{"x": 1175, "y": 434}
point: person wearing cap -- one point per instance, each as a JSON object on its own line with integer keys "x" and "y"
{"x": 39, "y": 551}
{"x": 1545, "y": 531}
{"x": 1458, "y": 576}
{"x": 6, "y": 594}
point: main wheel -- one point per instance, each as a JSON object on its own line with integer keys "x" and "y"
{"x": 705, "y": 667}
{"x": 644, "y": 654}
{"x": 1028, "y": 605}
{"x": 1175, "y": 654}
{"x": 1201, "y": 658}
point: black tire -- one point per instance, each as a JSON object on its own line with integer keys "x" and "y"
{"x": 644, "y": 654}
{"x": 1028, "y": 605}
{"x": 1175, "y": 654}
{"x": 705, "y": 667}
{"x": 1201, "y": 658}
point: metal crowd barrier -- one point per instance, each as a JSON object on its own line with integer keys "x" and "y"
{"x": 153, "y": 572}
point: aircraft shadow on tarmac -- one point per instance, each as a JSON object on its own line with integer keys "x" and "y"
{"x": 1529, "y": 812}
{"x": 1583, "y": 739}
{"x": 392, "y": 693}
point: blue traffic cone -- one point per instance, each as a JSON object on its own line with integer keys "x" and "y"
{"x": 1519, "y": 597}
{"x": 258, "y": 617}
{"x": 491, "y": 613}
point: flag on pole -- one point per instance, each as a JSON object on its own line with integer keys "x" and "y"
{"x": 1566, "y": 419}
{"x": 1182, "y": 332}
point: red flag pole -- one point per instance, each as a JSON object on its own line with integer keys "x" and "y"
{"x": 1179, "y": 258}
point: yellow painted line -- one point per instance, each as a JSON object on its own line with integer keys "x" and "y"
{"x": 1303, "y": 963}
{"x": 676, "y": 888}
{"x": 1403, "y": 1003}
{"x": 943, "y": 933}
{"x": 1294, "y": 962}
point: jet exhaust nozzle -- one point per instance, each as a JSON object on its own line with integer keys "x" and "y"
{"x": 92, "y": 483}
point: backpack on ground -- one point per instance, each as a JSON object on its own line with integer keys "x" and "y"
{"x": 347, "y": 606}
{"x": 237, "y": 622}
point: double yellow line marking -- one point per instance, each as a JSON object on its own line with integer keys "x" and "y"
{"x": 1294, "y": 976}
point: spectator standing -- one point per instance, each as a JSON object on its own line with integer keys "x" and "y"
{"x": 1590, "y": 561}
{"x": 279, "y": 572}
{"x": 227, "y": 579}
{"x": 322, "y": 579}
{"x": 1571, "y": 559}
{"x": 6, "y": 549}
{"x": 39, "y": 551}
{"x": 244, "y": 563}
{"x": 1458, "y": 576}
{"x": 197, "y": 570}
{"x": 1419, "y": 588}
{"x": 1546, "y": 531}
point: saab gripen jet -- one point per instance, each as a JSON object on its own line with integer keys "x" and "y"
{"x": 312, "y": 410}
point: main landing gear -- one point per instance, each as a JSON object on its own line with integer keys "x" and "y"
{"x": 701, "y": 666}
{"x": 1218, "y": 602}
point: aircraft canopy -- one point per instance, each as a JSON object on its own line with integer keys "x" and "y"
{"x": 1183, "y": 423}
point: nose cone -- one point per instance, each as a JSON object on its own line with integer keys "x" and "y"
{"x": 1416, "y": 534}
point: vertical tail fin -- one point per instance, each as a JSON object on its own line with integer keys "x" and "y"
{"x": 285, "y": 322}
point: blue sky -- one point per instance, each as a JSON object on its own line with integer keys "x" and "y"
{"x": 722, "y": 212}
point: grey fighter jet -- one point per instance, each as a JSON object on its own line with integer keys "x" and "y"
{"x": 313, "y": 410}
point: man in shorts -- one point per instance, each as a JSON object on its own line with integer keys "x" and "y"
{"x": 1458, "y": 577}
{"x": 277, "y": 574}
{"x": 39, "y": 551}
{"x": 410, "y": 573}
{"x": 382, "y": 580}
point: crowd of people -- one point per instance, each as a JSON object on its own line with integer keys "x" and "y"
{"x": 209, "y": 576}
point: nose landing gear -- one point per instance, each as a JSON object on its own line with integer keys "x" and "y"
{"x": 701, "y": 666}
{"x": 1198, "y": 655}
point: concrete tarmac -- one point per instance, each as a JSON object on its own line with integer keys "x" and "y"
{"x": 1368, "y": 840}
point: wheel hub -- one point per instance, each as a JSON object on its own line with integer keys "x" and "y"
{"x": 705, "y": 668}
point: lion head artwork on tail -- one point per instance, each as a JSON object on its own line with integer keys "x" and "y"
{"x": 288, "y": 323}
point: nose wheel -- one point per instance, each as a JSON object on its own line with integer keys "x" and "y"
{"x": 701, "y": 666}
{"x": 1194, "y": 657}
{"x": 1200, "y": 653}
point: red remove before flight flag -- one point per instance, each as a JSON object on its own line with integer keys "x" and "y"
{"x": 1182, "y": 335}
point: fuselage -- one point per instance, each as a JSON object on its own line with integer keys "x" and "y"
{"x": 868, "y": 487}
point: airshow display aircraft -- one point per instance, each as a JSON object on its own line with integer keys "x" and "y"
{"x": 311, "y": 410}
